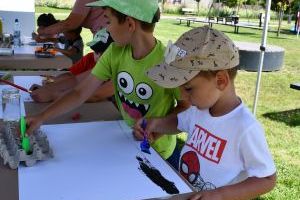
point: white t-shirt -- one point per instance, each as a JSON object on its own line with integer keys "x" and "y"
{"x": 223, "y": 150}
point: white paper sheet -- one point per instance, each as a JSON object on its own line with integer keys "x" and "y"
{"x": 93, "y": 161}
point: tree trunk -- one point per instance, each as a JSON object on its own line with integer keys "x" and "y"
{"x": 280, "y": 19}
{"x": 163, "y": 6}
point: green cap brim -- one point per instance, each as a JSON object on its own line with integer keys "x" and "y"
{"x": 138, "y": 9}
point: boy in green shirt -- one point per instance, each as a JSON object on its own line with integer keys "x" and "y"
{"x": 131, "y": 25}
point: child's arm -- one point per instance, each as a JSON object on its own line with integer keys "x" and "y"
{"x": 66, "y": 103}
{"x": 250, "y": 188}
{"x": 159, "y": 126}
{"x": 52, "y": 91}
{"x": 69, "y": 52}
{"x": 41, "y": 40}
{"x": 63, "y": 76}
{"x": 105, "y": 91}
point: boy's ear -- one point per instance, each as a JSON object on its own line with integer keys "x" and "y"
{"x": 222, "y": 79}
{"x": 131, "y": 23}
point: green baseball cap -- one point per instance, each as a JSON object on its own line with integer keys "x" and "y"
{"x": 143, "y": 10}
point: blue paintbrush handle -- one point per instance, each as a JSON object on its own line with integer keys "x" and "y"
{"x": 144, "y": 124}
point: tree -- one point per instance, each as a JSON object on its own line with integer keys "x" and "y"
{"x": 281, "y": 6}
{"x": 198, "y": 6}
{"x": 162, "y": 5}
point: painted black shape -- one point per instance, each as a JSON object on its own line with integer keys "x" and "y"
{"x": 155, "y": 176}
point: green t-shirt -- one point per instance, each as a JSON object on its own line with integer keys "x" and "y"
{"x": 136, "y": 95}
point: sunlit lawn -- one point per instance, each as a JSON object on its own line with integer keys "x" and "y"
{"x": 278, "y": 106}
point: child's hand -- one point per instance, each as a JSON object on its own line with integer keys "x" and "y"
{"x": 138, "y": 131}
{"x": 207, "y": 195}
{"x": 34, "y": 87}
{"x": 42, "y": 95}
{"x": 38, "y": 39}
{"x": 33, "y": 123}
{"x": 34, "y": 35}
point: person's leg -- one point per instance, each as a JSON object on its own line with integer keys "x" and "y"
{"x": 174, "y": 158}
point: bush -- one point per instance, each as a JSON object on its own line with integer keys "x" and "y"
{"x": 172, "y": 9}
{"x": 55, "y": 3}
{"x": 250, "y": 12}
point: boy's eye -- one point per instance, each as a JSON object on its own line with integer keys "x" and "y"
{"x": 144, "y": 91}
{"x": 188, "y": 89}
{"x": 125, "y": 82}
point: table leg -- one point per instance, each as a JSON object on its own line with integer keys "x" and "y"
{"x": 8, "y": 183}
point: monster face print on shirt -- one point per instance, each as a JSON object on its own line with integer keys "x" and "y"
{"x": 134, "y": 95}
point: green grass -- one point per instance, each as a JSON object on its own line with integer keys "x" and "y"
{"x": 54, "y": 11}
{"x": 278, "y": 106}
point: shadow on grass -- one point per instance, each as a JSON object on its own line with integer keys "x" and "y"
{"x": 240, "y": 33}
{"x": 289, "y": 117}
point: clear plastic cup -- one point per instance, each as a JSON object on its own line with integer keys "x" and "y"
{"x": 11, "y": 105}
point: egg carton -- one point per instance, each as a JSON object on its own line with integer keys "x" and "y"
{"x": 11, "y": 150}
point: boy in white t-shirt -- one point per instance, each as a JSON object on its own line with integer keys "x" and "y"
{"x": 226, "y": 154}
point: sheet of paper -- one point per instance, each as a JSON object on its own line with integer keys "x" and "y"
{"x": 94, "y": 161}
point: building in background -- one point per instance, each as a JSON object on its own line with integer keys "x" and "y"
{"x": 23, "y": 10}
{"x": 191, "y": 3}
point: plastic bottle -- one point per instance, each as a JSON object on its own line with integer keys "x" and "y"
{"x": 17, "y": 33}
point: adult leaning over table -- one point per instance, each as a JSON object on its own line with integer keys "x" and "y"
{"x": 87, "y": 17}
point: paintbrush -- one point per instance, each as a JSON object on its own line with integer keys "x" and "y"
{"x": 16, "y": 86}
{"x": 145, "y": 146}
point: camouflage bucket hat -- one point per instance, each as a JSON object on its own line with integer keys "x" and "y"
{"x": 200, "y": 49}
{"x": 143, "y": 10}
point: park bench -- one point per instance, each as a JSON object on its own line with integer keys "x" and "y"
{"x": 187, "y": 19}
{"x": 189, "y": 11}
{"x": 228, "y": 19}
{"x": 237, "y": 26}
{"x": 211, "y": 18}
{"x": 220, "y": 19}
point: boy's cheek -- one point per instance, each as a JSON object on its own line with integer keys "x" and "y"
{"x": 184, "y": 95}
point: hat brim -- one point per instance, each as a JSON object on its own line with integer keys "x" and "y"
{"x": 170, "y": 77}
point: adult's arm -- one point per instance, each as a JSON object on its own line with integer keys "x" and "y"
{"x": 73, "y": 21}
